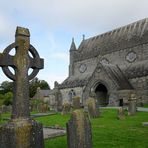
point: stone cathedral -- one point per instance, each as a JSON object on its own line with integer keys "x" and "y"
{"x": 109, "y": 66}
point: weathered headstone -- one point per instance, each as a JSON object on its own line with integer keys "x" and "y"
{"x": 66, "y": 107}
{"x": 43, "y": 108}
{"x": 58, "y": 97}
{"x": 76, "y": 102}
{"x": 21, "y": 131}
{"x": 93, "y": 108}
{"x": 121, "y": 113}
{"x": 132, "y": 108}
{"x": 79, "y": 133}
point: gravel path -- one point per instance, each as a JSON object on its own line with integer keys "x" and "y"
{"x": 51, "y": 133}
{"x": 138, "y": 108}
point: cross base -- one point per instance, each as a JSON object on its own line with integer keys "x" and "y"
{"x": 21, "y": 133}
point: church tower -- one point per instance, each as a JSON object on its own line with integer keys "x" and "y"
{"x": 72, "y": 52}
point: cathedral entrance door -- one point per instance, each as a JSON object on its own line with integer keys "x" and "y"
{"x": 102, "y": 94}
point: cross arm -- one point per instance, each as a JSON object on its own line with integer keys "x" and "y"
{"x": 6, "y": 60}
{"x": 37, "y": 63}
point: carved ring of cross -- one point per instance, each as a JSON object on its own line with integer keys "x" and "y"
{"x": 33, "y": 52}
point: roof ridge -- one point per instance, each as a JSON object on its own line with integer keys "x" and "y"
{"x": 129, "y": 27}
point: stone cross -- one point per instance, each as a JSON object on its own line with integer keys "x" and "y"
{"x": 21, "y": 131}
{"x": 21, "y": 62}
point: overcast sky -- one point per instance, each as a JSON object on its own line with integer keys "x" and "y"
{"x": 53, "y": 23}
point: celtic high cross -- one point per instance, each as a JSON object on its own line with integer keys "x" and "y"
{"x": 21, "y": 62}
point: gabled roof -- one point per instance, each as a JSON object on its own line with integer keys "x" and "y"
{"x": 75, "y": 81}
{"x": 44, "y": 93}
{"x": 113, "y": 71}
{"x": 41, "y": 94}
{"x": 117, "y": 76}
{"x": 121, "y": 38}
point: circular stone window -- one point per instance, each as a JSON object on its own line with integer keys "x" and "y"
{"x": 82, "y": 68}
{"x": 131, "y": 56}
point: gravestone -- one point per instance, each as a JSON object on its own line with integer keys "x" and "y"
{"x": 132, "y": 108}
{"x": 93, "y": 108}
{"x": 21, "y": 131}
{"x": 121, "y": 113}
{"x": 76, "y": 102}
{"x": 66, "y": 108}
{"x": 43, "y": 108}
{"x": 79, "y": 133}
{"x": 58, "y": 97}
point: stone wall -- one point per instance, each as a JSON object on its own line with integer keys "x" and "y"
{"x": 141, "y": 87}
{"x": 121, "y": 58}
{"x": 126, "y": 47}
{"x": 90, "y": 66}
{"x": 65, "y": 92}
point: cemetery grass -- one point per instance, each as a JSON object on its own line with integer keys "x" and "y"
{"x": 108, "y": 131}
{"x": 145, "y": 105}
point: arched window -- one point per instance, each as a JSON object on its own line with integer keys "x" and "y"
{"x": 71, "y": 94}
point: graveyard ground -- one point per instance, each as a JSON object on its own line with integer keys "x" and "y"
{"x": 145, "y": 105}
{"x": 108, "y": 132}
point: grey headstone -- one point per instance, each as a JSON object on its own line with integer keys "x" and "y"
{"x": 121, "y": 113}
{"x": 66, "y": 108}
{"x": 76, "y": 102}
{"x": 79, "y": 133}
{"x": 132, "y": 108}
{"x": 93, "y": 108}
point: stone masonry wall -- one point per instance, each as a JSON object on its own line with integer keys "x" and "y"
{"x": 141, "y": 88}
{"x": 120, "y": 58}
{"x": 78, "y": 92}
{"x": 117, "y": 58}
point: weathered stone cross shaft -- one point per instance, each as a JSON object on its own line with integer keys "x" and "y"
{"x": 21, "y": 62}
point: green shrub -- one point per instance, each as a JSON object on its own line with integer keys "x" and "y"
{"x": 8, "y": 98}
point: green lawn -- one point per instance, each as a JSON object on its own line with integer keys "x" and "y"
{"x": 53, "y": 120}
{"x": 108, "y": 132}
{"x": 145, "y": 105}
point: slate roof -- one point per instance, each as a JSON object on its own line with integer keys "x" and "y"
{"x": 41, "y": 94}
{"x": 75, "y": 81}
{"x": 121, "y": 38}
{"x": 138, "y": 69}
{"x": 44, "y": 93}
{"x": 113, "y": 71}
{"x": 117, "y": 76}
{"x": 135, "y": 70}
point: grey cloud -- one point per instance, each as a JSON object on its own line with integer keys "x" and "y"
{"x": 77, "y": 15}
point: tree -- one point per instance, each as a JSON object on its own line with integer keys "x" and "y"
{"x": 8, "y": 98}
{"x": 35, "y": 83}
{"x": 6, "y": 86}
{"x": 1, "y": 99}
